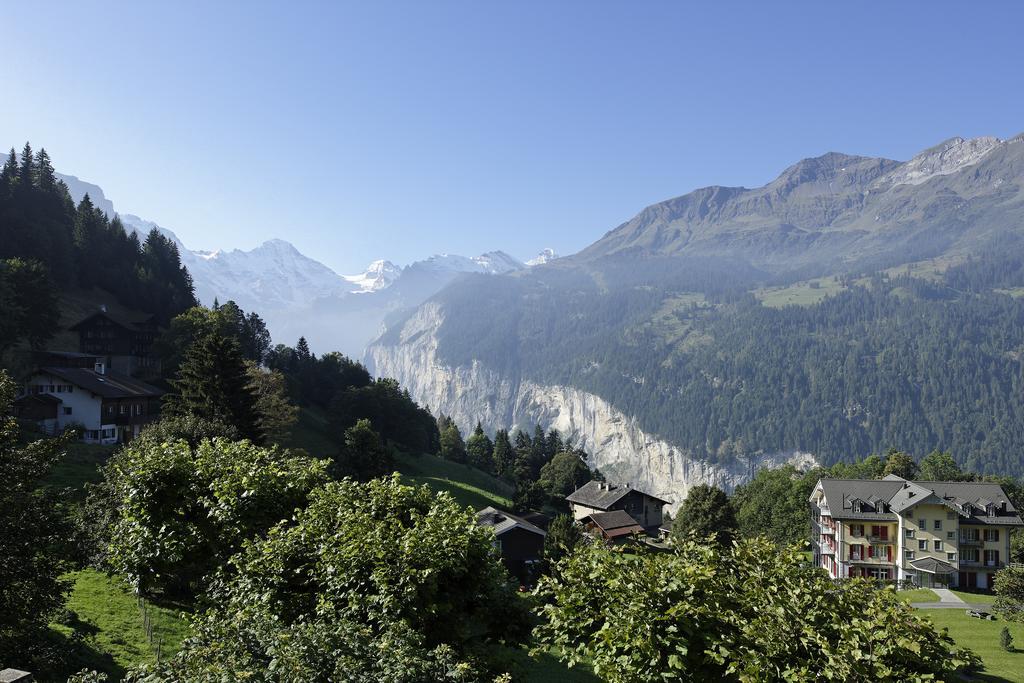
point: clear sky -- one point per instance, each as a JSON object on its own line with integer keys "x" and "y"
{"x": 398, "y": 130}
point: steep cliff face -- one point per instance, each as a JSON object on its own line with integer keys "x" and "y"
{"x": 618, "y": 447}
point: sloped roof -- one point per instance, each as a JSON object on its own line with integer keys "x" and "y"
{"x": 932, "y": 565}
{"x": 502, "y": 521}
{"x": 131, "y": 325}
{"x": 615, "y": 524}
{"x": 107, "y": 385}
{"x": 961, "y": 496}
{"x": 602, "y": 495}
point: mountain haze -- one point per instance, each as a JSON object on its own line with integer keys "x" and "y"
{"x": 850, "y": 305}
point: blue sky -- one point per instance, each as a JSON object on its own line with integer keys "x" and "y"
{"x": 398, "y": 130}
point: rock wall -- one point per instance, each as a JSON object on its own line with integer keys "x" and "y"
{"x": 617, "y": 444}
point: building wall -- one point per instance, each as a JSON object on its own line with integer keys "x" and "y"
{"x": 937, "y": 527}
{"x": 85, "y": 406}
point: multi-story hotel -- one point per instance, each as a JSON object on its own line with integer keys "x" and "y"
{"x": 936, "y": 533}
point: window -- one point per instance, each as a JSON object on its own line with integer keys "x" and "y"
{"x": 856, "y": 529}
{"x": 938, "y": 545}
{"x": 969, "y": 555}
{"x": 992, "y": 535}
{"x": 124, "y": 409}
{"x": 908, "y": 554}
{"x": 67, "y": 410}
{"x": 991, "y": 558}
{"x": 950, "y": 535}
{"x": 951, "y": 557}
{"x": 922, "y": 545}
{"x": 922, "y": 524}
{"x": 138, "y": 409}
{"x": 938, "y": 525}
{"x": 909, "y": 533}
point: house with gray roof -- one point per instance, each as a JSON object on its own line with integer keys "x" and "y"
{"x": 933, "y": 533}
{"x": 110, "y": 407}
{"x": 521, "y": 542}
{"x": 601, "y": 496}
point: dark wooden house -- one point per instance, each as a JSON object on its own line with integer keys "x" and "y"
{"x": 600, "y": 496}
{"x": 521, "y": 542}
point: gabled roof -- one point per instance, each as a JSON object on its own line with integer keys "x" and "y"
{"x": 964, "y": 497}
{"x": 615, "y": 523}
{"x": 107, "y": 385}
{"x": 602, "y": 495}
{"x": 502, "y": 521}
{"x": 125, "y": 323}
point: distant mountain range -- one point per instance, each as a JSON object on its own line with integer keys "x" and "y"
{"x": 667, "y": 349}
{"x": 298, "y": 295}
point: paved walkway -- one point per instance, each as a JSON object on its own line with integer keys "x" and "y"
{"x": 946, "y": 595}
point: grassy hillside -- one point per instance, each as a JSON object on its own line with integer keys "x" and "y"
{"x": 983, "y": 638}
{"x": 468, "y": 485}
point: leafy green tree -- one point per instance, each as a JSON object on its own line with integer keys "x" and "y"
{"x": 364, "y": 456}
{"x": 179, "y": 513}
{"x": 940, "y": 466}
{"x": 480, "y": 449}
{"x": 706, "y": 512}
{"x": 374, "y": 581}
{"x": 1009, "y": 588}
{"x": 697, "y": 614}
{"x": 774, "y": 504}
{"x": 564, "y": 534}
{"x": 900, "y": 464}
{"x": 213, "y": 384}
{"x": 33, "y": 541}
{"x": 452, "y": 446}
{"x": 562, "y": 475}
{"x": 276, "y": 415}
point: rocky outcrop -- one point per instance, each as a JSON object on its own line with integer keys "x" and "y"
{"x": 618, "y": 446}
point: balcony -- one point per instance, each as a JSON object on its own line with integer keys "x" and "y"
{"x": 863, "y": 559}
{"x": 967, "y": 540}
{"x": 877, "y": 538}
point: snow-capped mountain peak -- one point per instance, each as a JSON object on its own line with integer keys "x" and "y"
{"x": 543, "y": 257}
{"x": 377, "y": 276}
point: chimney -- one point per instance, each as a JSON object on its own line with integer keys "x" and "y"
{"x": 100, "y": 368}
{"x": 103, "y": 308}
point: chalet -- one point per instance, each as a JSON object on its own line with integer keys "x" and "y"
{"x": 125, "y": 345}
{"x": 615, "y": 526}
{"x": 599, "y": 496}
{"x": 521, "y": 543}
{"x": 109, "y": 406}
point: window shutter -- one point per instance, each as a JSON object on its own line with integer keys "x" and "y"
{"x": 871, "y": 551}
{"x": 889, "y": 553}
{"x": 995, "y": 535}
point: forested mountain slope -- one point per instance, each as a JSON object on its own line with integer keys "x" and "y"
{"x": 665, "y": 348}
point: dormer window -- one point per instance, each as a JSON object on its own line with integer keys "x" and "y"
{"x": 991, "y": 509}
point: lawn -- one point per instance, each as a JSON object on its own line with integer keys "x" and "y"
{"x": 468, "y": 485}
{"x": 975, "y": 598}
{"x": 80, "y": 466}
{"x": 108, "y": 617}
{"x": 918, "y": 595}
{"x": 311, "y": 434}
{"x": 983, "y": 638}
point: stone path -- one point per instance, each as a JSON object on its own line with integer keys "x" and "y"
{"x": 949, "y": 600}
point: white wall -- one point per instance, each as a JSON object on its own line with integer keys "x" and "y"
{"x": 85, "y": 406}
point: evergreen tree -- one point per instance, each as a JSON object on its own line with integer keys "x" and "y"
{"x": 213, "y": 384}
{"x": 27, "y": 171}
{"x": 452, "y": 446}
{"x": 276, "y": 414}
{"x": 706, "y": 512}
{"x": 45, "y": 178}
{"x": 480, "y": 449}
{"x": 9, "y": 175}
{"x": 503, "y": 454}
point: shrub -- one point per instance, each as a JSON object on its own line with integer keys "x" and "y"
{"x": 748, "y": 613}
{"x": 1006, "y": 640}
{"x": 177, "y": 513}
